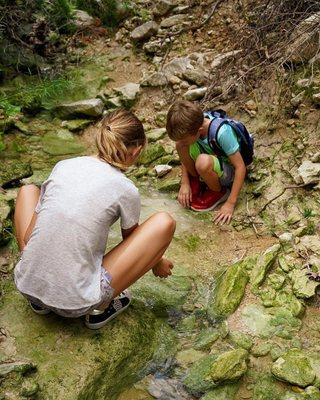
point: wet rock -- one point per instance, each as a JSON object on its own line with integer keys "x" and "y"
{"x": 128, "y": 93}
{"x": 198, "y": 378}
{"x": 263, "y": 265}
{"x": 167, "y": 389}
{"x": 13, "y": 171}
{"x": 206, "y": 338}
{"x": 195, "y": 94}
{"x": 76, "y": 125}
{"x": 229, "y": 291}
{"x": 169, "y": 185}
{"x": 163, "y": 295}
{"x": 162, "y": 169}
{"x": 265, "y": 323}
{"x": 173, "y": 21}
{"x": 240, "y": 339}
{"x": 229, "y": 366}
{"x": 82, "y": 19}
{"x": 222, "y": 58}
{"x": 17, "y": 366}
{"x": 90, "y": 108}
{"x": 304, "y": 40}
{"x": 144, "y": 31}
{"x": 29, "y": 388}
{"x": 226, "y": 392}
{"x": 302, "y": 286}
{"x": 196, "y": 76}
{"x": 162, "y": 7}
{"x": 156, "y": 134}
{"x": 151, "y": 153}
{"x": 309, "y": 172}
{"x": 187, "y": 357}
{"x": 294, "y": 367}
{"x": 56, "y": 146}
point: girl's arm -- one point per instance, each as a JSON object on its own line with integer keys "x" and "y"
{"x": 225, "y": 213}
{"x": 30, "y": 228}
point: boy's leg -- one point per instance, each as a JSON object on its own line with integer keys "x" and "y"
{"x": 207, "y": 167}
{"x": 26, "y": 202}
{"x": 139, "y": 252}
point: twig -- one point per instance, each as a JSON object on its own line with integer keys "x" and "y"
{"x": 280, "y": 194}
{"x": 251, "y": 219}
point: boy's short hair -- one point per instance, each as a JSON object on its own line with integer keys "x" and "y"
{"x": 184, "y": 118}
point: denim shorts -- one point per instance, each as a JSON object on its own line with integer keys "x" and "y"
{"x": 107, "y": 293}
{"x": 227, "y": 177}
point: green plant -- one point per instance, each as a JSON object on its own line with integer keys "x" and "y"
{"x": 308, "y": 212}
{"x": 9, "y": 110}
{"x": 2, "y": 145}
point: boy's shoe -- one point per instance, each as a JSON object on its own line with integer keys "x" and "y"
{"x": 209, "y": 200}
{"x": 39, "y": 310}
{"x": 98, "y": 318}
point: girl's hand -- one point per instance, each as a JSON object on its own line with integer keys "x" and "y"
{"x": 224, "y": 215}
{"x": 163, "y": 268}
{"x": 185, "y": 195}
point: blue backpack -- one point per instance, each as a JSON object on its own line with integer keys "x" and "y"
{"x": 245, "y": 139}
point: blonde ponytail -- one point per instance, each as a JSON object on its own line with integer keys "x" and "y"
{"x": 115, "y": 134}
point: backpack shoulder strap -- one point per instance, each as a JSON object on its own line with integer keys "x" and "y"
{"x": 214, "y": 127}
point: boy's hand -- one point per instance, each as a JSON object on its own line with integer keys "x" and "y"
{"x": 224, "y": 215}
{"x": 163, "y": 268}
{"x": 185, "y": 195}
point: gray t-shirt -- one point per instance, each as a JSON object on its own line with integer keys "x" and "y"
{"x": 78, "y": 203}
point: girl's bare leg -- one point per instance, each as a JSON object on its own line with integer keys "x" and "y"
{"x": 139, "y": 252}
{"x": 26, "y": 202}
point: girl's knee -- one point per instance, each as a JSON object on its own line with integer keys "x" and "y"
{"x": 165, "y": 222}
{"x": 204, "y": 163}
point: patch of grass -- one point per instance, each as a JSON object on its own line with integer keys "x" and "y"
{"x": 308, "y": 212}
{"x": 192, "y": 242}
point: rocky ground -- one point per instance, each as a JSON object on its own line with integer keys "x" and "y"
{"x": 239, "y": 318}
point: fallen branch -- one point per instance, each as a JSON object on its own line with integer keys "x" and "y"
{"x": 280, "y": 194}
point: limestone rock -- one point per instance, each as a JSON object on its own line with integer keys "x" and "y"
{"x": 156, "y": 134}
{"x": 229, "y": 291}
{"x": 195, "y": 94}
{"x": 162, "y": 7}
{"x": 90, "y": 108}
{"x": 128, "y": 93}
{"x": 229, "y": 366}
{"x": 309, "y": 172}
{"x": 264, "y": 263}
{"x": 311, "y": 242}
{"x": 303, "y": 287}
{"x": 144, "y": 31}
{"x": 173, "y": 21}
{"x": 169, "y": 389}
{"x": 222, "y": 58}
{"x": 316, "y": 98}
{"x": 304, "y": 40}
{"x": 196, "y": 76}
{"x": 294, "y": 367}
{"x": 82, "y": 19}
{"x": 225, "y": 392}
{"x": 261, "y": 349}
{"x": 57, "y": 146}
{"x": 151, "y": 153}
{"x": 297, "y": 100}
{"x": 162, "y": 169}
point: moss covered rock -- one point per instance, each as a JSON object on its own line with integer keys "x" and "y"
{"x": 294, "y": 367}
{"x": 169, "y": 185}
{"x": 263, "y": 265}
{"x": 156, "y": 134}
{"x": 226, "y": 392}
{"x": 240, "y": 339}
{"x": 206, "y": 338}
{"x": 151, "y": 153}
{"x": 57, "y": 146}
{"x": 198, "y": 378}
{"x": 267, "y": 388}
{"x": 229, "y": 366}
{"x": 13, "y": 171}
{"x": 302, "y": 286}
{"x": 229, "y": 291}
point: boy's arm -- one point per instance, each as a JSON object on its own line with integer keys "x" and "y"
{"x": 226, "y": 211}
{"x": 187, "y": 165}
